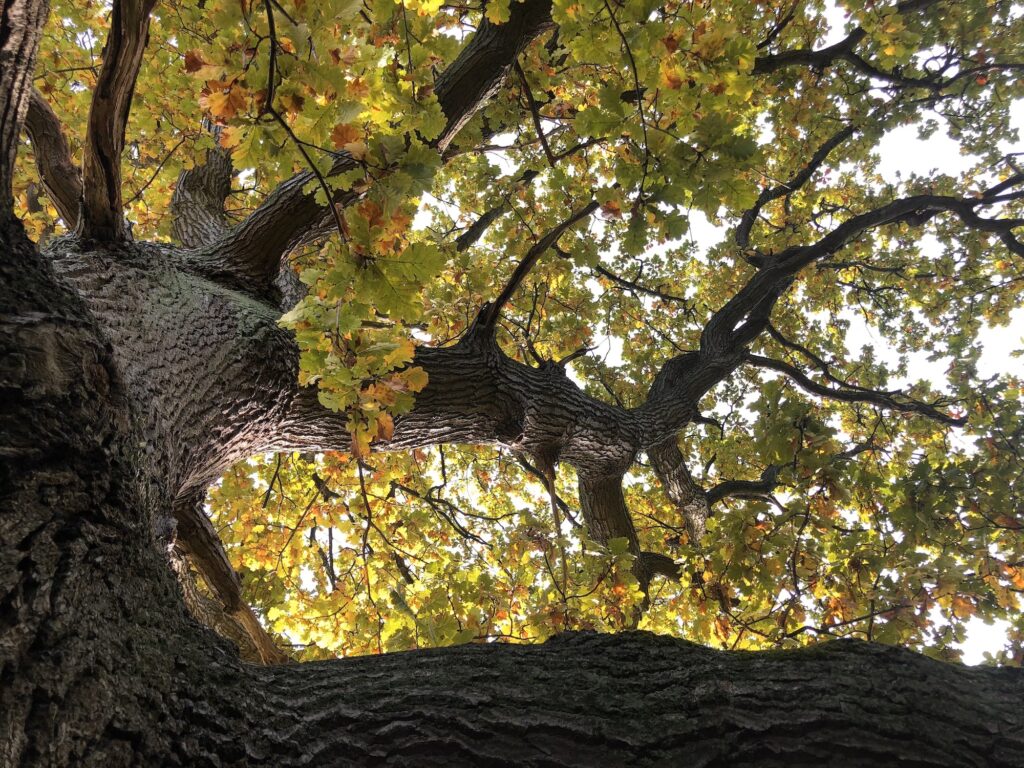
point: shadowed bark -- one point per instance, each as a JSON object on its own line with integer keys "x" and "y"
{"x": 61, "y": 178}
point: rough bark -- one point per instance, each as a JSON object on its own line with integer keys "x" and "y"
{"x": 197, "y": 206}
{"x": 61, "y": 178}
{"x": 21, "y": 22}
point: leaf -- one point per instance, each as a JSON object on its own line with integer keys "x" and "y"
{"x": 498, "y": 11}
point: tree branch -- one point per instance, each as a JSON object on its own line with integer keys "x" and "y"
{"x": 885, "y": 400}
{"x": 21, "y": 23}
{"x": 197, "y": 539}
{"x": 535, "y": 114}
{"x": 476, "y": 230}
{"x": 796, "y": 182}
{"x": 841, "y": 51}
{"x": 683, "y": 380}
{"x": 102, "y": 216}
{"x": 745, "y": 489}
{"x": 197, "y": 205}
{"x": 61, "y": 178}
{"x": 549, "y": 239}
{"x": 670, "y": 468}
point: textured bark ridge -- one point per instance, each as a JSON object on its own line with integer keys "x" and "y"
{"x": 637, "y": 699}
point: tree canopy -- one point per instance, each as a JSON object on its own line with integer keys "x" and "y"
{"x": 820, "y": 489}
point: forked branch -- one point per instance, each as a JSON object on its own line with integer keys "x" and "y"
{"x": 255, "y": 247}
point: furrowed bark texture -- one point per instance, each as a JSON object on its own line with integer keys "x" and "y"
{"x": 637, "y": 699}
{"x": 96, "y": 457}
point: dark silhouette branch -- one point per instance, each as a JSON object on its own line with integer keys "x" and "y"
{"x": 535, "y": 114}
{"x": 478, "y": 228}
{"x": 887, "y": 400}
{"x": 796, "y": 182}
{"x": 745, "y": 489}
{"x": 548, "y": 240}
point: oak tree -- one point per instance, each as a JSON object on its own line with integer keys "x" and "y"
{"x": 344, "y": 327}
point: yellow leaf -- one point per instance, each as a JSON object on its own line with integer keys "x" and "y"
{"x": 498, "y": 11}
{"x": 415, "y": 379}
{"x": 385, "y": 426}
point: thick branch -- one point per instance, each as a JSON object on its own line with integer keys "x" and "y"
{"x": 61, "y": 178}
{"x": 670, "y": 468}
{"x": 102, "y": 210}
{"x": 745, "y": 489}
{"x": 241, "y": 627}
{"x": 477, "y": 395}
{"x": 197, "y": 206}
{"x": 482, "y": 66}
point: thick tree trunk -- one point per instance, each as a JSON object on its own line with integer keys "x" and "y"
{"x": 115, "y": 405}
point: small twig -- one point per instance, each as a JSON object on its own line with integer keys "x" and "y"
{"x": 535, "y": 113}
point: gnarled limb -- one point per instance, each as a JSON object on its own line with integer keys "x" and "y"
{"x": 683, "y": 380}
{"x": 61, "y": 178}
{"x": 102, "y": 216}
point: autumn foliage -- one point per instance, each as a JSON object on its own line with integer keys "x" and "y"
{"x": 881, "y": 502}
